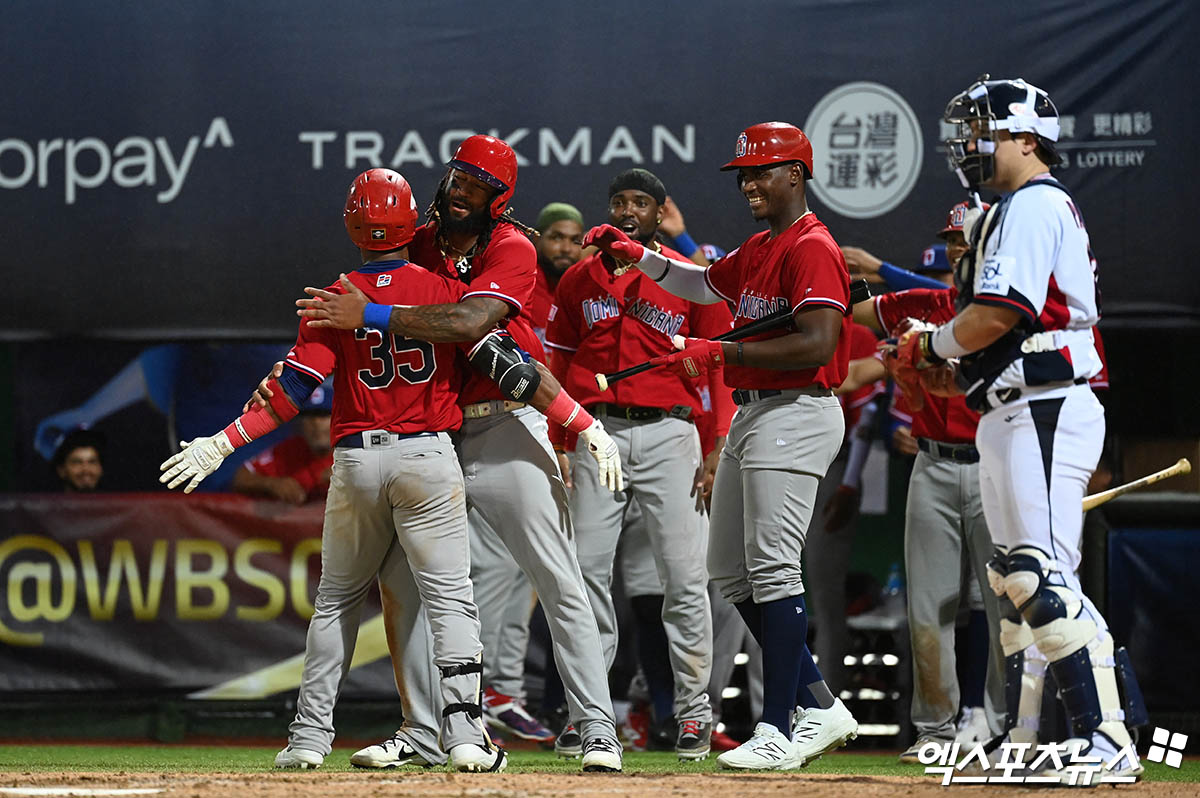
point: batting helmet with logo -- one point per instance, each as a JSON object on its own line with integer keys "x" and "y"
{"x": 956, "y": 217}
{"x": 491, "y": 160}
{"x": 380, "y": 213}
{"x": 770, "y": 144}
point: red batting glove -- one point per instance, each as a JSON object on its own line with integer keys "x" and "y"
{"x": 696, "y": 356}
{"x": 614, "y": 243}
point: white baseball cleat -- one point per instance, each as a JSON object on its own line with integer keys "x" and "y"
{"x": 972, "y": 727}
{"x": 601, "y": 755}
{"x": 819, "y": 731}
{"x": 767, "y": 749}
{"x": 1077, "y": 773}
{"x": 298, "y": 759}
{"x": 471, "y": 758}
{"x": 391, "y": 753}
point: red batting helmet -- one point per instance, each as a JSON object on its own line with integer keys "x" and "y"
{"x": 380, "y": 211}
{"x": 770, "y": 144}
{"x": 954, "y": 219}
{"x": 491, "y": 160}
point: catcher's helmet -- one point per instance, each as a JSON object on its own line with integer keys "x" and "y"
{"x": 771, "y": 144}
{"x": 1012, "y": 105}
{"x": 380, "y": 213}
{"x": 491, "y": 160}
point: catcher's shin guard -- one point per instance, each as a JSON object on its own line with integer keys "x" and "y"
{"x": 1080, "y": 657}
{"x": 1136, "y": 714}
{"x": 1024, "y": 668}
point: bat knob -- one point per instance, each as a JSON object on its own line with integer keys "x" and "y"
{"x": 1185, "y": 465}
{"x": 601, "y": 382}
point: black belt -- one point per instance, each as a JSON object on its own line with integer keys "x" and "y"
{"x": 374, "y": 438}
{"x": 1007, "y": 395}
{"x": 742, "y": 395}
{"x": 628, "y": 413}
{"x": 958, "y": 452}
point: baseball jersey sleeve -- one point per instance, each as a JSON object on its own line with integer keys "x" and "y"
{"x": 1020, "y": 256}
{"x": 924, "y": 304}
{"x": 509, "y": 273}
{"x": 815, "y": 275}
{"x": 563, "y": 329}
{"x": 725, "y": 278}
{"x": 313, "y": 356}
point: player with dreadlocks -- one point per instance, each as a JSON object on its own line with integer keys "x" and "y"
{"x": 512, "y": 479}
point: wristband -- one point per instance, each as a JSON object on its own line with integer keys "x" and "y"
{"x": 684, "y": 245}
{"x": 943, "y": 344}
{"x": 377, "y": 317}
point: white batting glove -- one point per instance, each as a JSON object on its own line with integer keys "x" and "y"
{"x": 608, "y": 459}
{"x": 198, "y": 459}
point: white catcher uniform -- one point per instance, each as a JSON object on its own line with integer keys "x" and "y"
{"x": 1039, "y": 440}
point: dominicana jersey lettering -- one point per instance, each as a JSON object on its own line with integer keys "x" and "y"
{"x": 381, "y": 380}
{"x": 604, "y": 323}
{"x": 506, "y": 269}
{"x": 800, "y": 268}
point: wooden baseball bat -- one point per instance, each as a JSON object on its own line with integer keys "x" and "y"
{"x": 1181, "y": 467}
{"x": 780, "y": 318}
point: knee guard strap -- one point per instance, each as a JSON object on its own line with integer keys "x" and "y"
{"x": 474, "y": 710}
{"x": 458, "y": 670}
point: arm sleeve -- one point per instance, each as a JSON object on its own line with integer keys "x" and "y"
{"x": 903, "y": 279}
{"x": 683, "y": 279}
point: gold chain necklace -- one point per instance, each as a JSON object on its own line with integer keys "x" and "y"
{"x": 624, "y": 266}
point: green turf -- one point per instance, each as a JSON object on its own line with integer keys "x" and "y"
{"x": 171, "y": 759}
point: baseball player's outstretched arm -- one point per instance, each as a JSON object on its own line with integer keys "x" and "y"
{"x": 683, "y": 279}
{"x": 451, "y": 322}
{"x": 202, "y": 456}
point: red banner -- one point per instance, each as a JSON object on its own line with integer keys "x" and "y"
{"x": 155, "y": 591}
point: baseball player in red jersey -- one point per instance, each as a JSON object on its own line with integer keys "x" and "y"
{"x": 945, "y": 534}
{"x": 606, "y": 317}
{"x": 396, "y": 480}
{"x": 520, "y": 495}
{"x": 560, "y": 229}
{"x": 1022, "y": 336}
{"x": 785, "y": 434}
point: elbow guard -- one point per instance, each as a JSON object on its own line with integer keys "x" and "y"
{"x": 506, "y": 364}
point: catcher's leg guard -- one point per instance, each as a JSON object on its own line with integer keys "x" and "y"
{"x": 1080, "y": 657}
{"x": 1136, "y": 714}
{"x": 1024, "y": 669}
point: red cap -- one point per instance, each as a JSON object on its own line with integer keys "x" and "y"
{"x": 770, "y": 143}
{"x": 380, "y": 210}
{"x": 491, "y": 160}
{"x": 954, "y": 219}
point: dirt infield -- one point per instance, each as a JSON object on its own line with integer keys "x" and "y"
{"x": 528, "y": 785}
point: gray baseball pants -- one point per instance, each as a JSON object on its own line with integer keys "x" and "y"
{"x": 659, "y": 459}
{"x": 399, "y": 504}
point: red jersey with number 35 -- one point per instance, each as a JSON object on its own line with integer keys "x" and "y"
{"x": 798, "y": 269}
{"x": 381, "y": 380}
{"x": 506, "y": 270}
{"x": 604, "y": 323}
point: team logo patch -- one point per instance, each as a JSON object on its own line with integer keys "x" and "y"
{"x": 739, "y": 149}
{"x": 378, "y": 233}
{"x": 382, "y": 280}
{"x": 1019, "y": 109}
